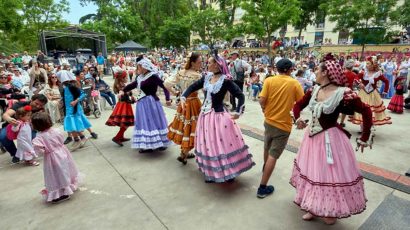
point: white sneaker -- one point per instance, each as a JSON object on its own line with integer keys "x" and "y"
{"x": 83, "y": 141}
{"x": 76, "y": 145}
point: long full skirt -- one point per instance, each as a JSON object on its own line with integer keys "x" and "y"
{"x": 323, "y": 189}
{"x": 221, "y": 153}
{"x": 396, "y": 104}
{"x": 375, "y": 102}
{"x": 121, "y": 116}
{"x": 182, "y": 129}
{"x": 151, "y": 128}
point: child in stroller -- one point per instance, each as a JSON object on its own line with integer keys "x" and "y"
{"x": 92, "y": 103}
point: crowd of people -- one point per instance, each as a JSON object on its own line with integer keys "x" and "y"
{"x": 326, "y": 177}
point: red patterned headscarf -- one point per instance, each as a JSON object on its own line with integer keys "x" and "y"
{"x": 335, "y": 70}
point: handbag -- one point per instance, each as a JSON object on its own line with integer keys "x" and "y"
{"x": 12, "y": 135}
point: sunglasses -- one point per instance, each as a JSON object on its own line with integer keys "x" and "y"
{"x": 3, "y": 77}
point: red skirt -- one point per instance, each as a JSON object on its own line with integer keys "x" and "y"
{"x": 122, "y": 115}
{"x": 396, "y": 104}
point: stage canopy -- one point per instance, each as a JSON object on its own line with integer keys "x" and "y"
{"x": 70, "y": 39}
{"x": 131, "y": 46}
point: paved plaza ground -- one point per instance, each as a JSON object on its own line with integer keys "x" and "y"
{"x": 124, "y": 189}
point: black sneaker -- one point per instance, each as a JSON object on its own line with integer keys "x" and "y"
{"x": 61, "y": 199}
{"x": 94, "y": 135}
{"x": 264, "y": 192}
{"x": 15, "y": 160}
{"x": 68, "y": 140}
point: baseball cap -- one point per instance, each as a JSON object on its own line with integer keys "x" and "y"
{"x": 284, "y": 65}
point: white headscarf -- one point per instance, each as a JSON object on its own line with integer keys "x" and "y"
{"x": 147, "y": 64}
{"x": 65, "y": 75}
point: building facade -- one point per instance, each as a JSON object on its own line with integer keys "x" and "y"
{"x": 317, "y": 34}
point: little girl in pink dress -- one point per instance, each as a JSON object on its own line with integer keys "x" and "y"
{"x": 22, "y": 132}
{"x": 60, "y": 172}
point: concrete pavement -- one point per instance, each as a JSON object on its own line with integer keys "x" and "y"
{"x": 123, "y": 189}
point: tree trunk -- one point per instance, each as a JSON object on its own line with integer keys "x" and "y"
{"x": 300, "y": 34}
{"x": 203, "y": 4}
{"x": 269, "y": 45}
{"x": 232, "y": 19}
{"x": 362, "y": 55}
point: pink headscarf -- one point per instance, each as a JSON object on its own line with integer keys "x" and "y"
{"x": 223, "y": 67}
{"x": 335, "y": 70}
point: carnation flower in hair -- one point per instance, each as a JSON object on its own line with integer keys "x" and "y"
{"x": 27, "y": 108}
{"x": 121, "y": 74}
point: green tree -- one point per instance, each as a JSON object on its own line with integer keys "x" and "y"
{"x": 264, "y": 17}
{"x": 38, "y": 16}
{"x": 152, "y": 14}
{"x": 10, "y": 24}
{"x": 117, "y": 22}
{"x": 309, "y": 11}
{"x": 367, "y": 19}
{"x": 10, "y": 19}
{"x": 230, "y": 8}
{"x": 401, "y": 16}
{"x": 209, "y": 24}
{"x": 175, "y": 33}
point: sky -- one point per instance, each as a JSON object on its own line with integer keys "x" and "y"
{"x": 77, "y": 11}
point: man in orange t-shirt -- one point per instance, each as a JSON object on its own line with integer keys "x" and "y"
{"x": 277, "y": 99}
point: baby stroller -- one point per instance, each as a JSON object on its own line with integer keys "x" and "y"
{"x": 91, "y": 103}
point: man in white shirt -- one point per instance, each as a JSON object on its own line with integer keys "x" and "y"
{"x": 277, "y": 58}
{"x": 309, "y": 75}
{"x": 239, "y": 69}
{"x": 26, "y": 58}
{"x": 404, "y": 71}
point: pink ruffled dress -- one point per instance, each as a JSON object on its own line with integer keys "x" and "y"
{"x": 221, "y": 152}
{"x": 326, "y": 175}
{"x": 61, "y": 176}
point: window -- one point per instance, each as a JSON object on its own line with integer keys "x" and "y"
{"x": 319, "y": 38}
{"x": 343, "y": 37}
{"x": 320, "y": 19}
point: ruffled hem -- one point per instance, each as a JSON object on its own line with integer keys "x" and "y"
{"x": 142, "y": 132}
{"x": 226, "y": 166}
{"x": 228, "y": 177}
{"x": 150, "y": 139}
{"x": 321, "y": 216}
{"x": 151, "y": 145}
{"x": 335, "y": 200}
{"x": 179, "y": 138}
{"x": 52, "y": 195}
{"x": 222, "y": 155}
{"x": 27, "y": 156}
{"x": 385, "y": 121}
{"x": 76, "y": 123}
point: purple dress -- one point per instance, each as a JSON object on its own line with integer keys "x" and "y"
{"x": 60, "y": 172}
{"x": 151, "y": 126}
